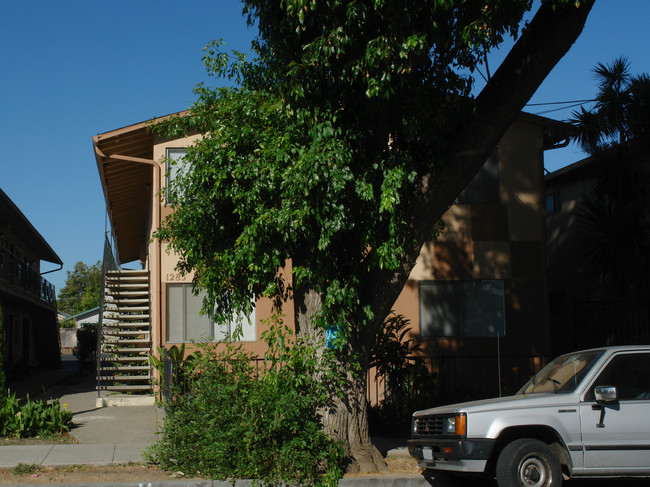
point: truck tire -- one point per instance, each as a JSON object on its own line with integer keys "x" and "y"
{"x": 528, "y": 463}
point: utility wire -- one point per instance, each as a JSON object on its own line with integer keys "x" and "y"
{"x": 579, "y": 102}
{"x": 559, "y": 109}
{"x": 569, "y": 104}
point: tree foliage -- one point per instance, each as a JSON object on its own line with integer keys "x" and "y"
{"x": 345, "y": 138}
{"x": 318, "y": 153}
{"x": 82, "y": 289}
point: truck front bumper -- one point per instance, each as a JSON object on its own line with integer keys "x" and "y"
{"x": 460, "y": 455}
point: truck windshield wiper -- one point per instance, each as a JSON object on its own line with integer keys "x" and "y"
{"x": 555, "y": 383}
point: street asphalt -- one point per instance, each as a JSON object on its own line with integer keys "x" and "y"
{"x": 119, "y": 435}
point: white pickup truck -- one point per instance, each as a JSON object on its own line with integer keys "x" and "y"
{"x": 586, "y": 414}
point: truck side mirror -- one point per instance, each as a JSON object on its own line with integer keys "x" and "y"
{"x": 605, "y": 394}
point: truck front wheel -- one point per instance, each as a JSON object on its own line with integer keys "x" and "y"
{"x": 528, "y": 463}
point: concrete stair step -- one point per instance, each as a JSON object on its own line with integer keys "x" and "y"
{"x": 125, "y": 378}
{"x": 126, "y": 368}
{"x": 116, "y": 294}
{"x": 131, "y": 341}
{"x": 117, "y": 325}
{"x": 131, "y": 317}
{"x": 124, "y": 388}
{"x": 127, "y": 271}
{"x": 132, "y": 350}
{"x": 111, "y": 285}
{"x": 126, "y": 301}
{"x": 112, "y": 332}
{"x": 122, "y": 359}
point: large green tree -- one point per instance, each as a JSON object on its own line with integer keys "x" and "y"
{"x": 343, "y": 142}
{"x": 82, "y": 289}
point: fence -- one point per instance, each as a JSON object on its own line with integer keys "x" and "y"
{"x": 431, "y": 381}
{"x": 19, "y": 272}
{"x": 601, "y": 323}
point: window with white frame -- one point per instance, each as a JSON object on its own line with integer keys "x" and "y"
{"x": 175, "y": 165}
{"x": 186, "y": 323}
{"x": 464, "y": 308}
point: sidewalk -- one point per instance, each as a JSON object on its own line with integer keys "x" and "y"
{"x": 106, "y": 436}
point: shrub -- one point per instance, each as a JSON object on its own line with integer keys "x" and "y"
{"x": 86, "y": 341}
{"x": 405, "y": 377}
{"x": 34, "y": 418}
{"x": 240, "y": 422}
{"x": 68, "y": 323}
{"x": 25, "y": 469}
{"x": 181, "y": 368}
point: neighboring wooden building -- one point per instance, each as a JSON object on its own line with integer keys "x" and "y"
{"x": 484, "y": 278}
{"x": 28, "y": 315}
{"x": 585, "y": 311}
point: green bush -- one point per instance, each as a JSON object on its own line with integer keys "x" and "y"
{"x": 68, "y": 324}
{"x": 241, "y": 422}
{"x": 86, "y": 341}
{"x": 34, "y": 418}
{"x": 408, "y": 382}
{"x": 182, "y": 366}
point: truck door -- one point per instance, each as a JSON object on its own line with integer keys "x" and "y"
{"x": 616, "y": 434}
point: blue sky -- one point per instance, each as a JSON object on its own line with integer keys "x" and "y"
{"x": 73, "y": 69}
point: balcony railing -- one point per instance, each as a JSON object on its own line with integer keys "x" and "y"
{"x": 19, "y": 273}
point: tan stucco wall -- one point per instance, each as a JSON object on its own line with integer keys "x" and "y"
{"x": 495, "y": 241}
{"x": 162, "y": 264}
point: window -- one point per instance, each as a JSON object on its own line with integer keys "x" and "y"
{"x": 176, "y": 165}
{"x": 468, "y": 308}
{"x": 553, "y": 203}
{"x": 629, "y": 373}
{"x": 185, "y": 323}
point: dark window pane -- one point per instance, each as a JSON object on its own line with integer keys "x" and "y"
{"x": 483, "y": 308}
{"x": 439, "y": 309}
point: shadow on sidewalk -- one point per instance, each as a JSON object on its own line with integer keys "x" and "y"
{"x": 51, "y": 384}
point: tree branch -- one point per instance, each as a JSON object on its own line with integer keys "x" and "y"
{"x": 547, "y": 39}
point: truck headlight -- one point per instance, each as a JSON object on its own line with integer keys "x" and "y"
{"x": 455, "y": 425}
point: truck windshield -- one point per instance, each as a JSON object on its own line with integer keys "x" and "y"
{"x": 563, "y": 374}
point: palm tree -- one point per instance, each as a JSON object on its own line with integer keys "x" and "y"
{"x": 620, "y": 111}
{"x": 613, "y": 219}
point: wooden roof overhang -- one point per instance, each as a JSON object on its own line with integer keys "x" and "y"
{"x": 21, "y": 227}
{"x": 126, "y": 169}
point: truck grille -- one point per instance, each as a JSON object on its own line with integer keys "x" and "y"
{"x": 428, "y": 425}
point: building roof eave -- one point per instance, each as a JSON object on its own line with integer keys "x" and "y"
{"x": 24, "y": 229}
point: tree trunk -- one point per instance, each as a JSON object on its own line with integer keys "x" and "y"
{"x": 347, "y": 421}
{"x": 346, "y": 418}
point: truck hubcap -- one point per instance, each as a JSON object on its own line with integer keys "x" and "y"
{"x": 533, "y": 472}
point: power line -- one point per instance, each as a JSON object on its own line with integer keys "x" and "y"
{"x": 575, "y": 102}
{"x": 556, "y": 109}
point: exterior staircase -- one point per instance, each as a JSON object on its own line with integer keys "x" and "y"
{"x": 125, "y": 334}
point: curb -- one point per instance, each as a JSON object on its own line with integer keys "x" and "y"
{"x": 373, "y": 481}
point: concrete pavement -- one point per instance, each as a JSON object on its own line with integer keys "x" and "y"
{"x": 105, "y": 435}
